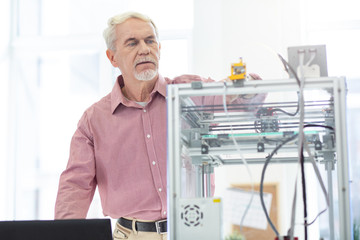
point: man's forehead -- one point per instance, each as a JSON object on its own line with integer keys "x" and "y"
{"x": 135, "y": 28}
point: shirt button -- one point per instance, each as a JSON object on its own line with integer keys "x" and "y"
{"x": 153, "y": 163}
{"x": 144, "y": 110}
{"x": 164, "y": 212}
{"x": 148, "y": 136}
{"x": 160, "y": 189}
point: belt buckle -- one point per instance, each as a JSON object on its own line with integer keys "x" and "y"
{"x": 158, "y": 227}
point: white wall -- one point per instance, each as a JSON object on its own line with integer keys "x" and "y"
{"x": 253, "y": 30}
{"x": 4, "y": 69}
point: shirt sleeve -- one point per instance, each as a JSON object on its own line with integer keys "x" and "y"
{"x": 77, "y": 183}
{"x": 188, "y": 78}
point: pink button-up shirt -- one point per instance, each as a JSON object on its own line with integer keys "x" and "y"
{"x": 120, "y": 146}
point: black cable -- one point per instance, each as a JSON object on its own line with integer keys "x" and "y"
{"x": 304, "y": 190}
{"x": 303, "y": 180}
{"x": 287, "y": 113}
{"x": 287, "y": 69}
{"x": 267, "y": 161}
{"x": 317, "y": 125}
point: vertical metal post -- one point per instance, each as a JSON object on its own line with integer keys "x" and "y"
{"x": 199, "y": 181}
{"x": 208, "y": 170}
{"x": 203, "y": 182}
{"x": 345, "y": 220}
{"x": 173, "y": 163}
{"x": 329, "y": 167}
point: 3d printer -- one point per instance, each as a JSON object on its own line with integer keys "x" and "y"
{"x": 206, "y": 136}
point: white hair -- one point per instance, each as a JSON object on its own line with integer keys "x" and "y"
{"x": 109, "y": 33}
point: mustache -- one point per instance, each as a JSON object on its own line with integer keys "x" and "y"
{"x": 144, "y": 59}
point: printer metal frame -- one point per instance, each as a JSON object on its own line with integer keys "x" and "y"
{"x": 177, "y": 93}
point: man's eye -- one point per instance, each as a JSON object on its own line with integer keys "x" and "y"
{"x": 150, "y": 41}
{"x": 132, "y": 44}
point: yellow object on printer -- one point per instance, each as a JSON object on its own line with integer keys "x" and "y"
{"x": 238, "y": 71}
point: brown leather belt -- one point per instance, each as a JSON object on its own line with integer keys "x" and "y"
{"x": 158, "y": 226}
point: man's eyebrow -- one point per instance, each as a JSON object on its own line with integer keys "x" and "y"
{"x": 150, "y": 37}
{"x": 134, "y": 39}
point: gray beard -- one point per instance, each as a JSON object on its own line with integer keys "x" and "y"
{"x": 146, "y": 75}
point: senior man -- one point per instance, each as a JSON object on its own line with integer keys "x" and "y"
{"x": 120, "y": 141}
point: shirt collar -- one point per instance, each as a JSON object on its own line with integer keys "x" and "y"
{"x": 118, "y": 98}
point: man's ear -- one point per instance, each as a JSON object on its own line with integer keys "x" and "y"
{"x": 110, "y": 55}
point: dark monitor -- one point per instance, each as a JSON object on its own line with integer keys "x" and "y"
{"x": 74, "y": 229}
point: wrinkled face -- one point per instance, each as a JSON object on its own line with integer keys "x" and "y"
{"x": 137, "y": 50}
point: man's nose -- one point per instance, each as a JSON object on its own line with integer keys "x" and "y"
{"x": 144, "y": 48}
